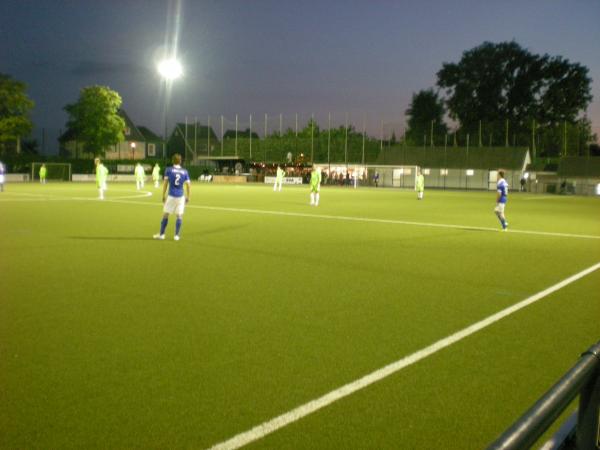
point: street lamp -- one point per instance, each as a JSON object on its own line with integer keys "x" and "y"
{"x": 169, "y": 69}
{"x": 132, "y": 150}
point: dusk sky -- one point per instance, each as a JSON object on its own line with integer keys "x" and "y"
{"x": 361, "y": 57}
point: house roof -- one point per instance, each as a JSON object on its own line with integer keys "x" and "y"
{"x": 132, "y": 132}
{"x": 149, "y": 135}
{"x": 198, "y": 130}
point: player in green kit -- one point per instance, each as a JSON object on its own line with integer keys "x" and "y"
{"x": 43, "y": 173}
{"x": 156, "y": 174}
{"x": 278, "y": 178}
{"x": 101, "y": 177}
{"x": 315, "y": 186}
{"x": 420, "y": 185}
{"x": 140, "y": 176}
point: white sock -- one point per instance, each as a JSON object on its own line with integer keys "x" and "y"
{"x": 317, "y": 201}
{"x": 312, "y": 198}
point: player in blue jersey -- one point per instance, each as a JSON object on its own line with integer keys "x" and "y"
{"x": 176, "y": 180}
{"x": 501, "y": 196}
{"x": 2, "y": 170}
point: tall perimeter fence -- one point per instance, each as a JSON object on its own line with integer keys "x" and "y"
{"x": 354, "y": 138}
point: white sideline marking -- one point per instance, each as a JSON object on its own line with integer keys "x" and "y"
{"x": 298, "y": 413}
{"x": 318, "y": 216}
{"x": 49, "y": 197}
{"x": 372, "y": 220}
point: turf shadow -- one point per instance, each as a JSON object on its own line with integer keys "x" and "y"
{"x": 110, "y": 238}
{"x": 217, "y": 230}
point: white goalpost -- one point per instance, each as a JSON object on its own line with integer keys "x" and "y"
{"x": 54, "y": 171}
{"x": 405, "y": 176}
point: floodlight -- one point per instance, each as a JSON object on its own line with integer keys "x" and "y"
{"x": 170, "y": 69}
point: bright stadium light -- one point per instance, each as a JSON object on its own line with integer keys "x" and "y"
{"x": 170, "y": 69}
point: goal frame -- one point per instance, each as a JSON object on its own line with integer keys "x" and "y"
{"x": 35, "y": 169}
{"x": 407, "y": 172}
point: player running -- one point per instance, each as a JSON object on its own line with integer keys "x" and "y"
{"x": 43, "y": 173}
{"x": 156, "y": 174}
{"x": 279, "y": 178}
{"x": 175, "y": 179}
{"x": 101, "y": 177}
{"x": 501, "y": 197}
{"x": 140, "y": 176}
{"x": 315, "y": 186}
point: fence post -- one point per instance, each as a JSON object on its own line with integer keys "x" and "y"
{"x": 250, "y": 137}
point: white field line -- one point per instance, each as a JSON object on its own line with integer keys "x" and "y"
{"x": 304, "y": 410}
{"x": 47, "y": 197}
{"x": 322, "y": 216}
{"x": 370, "y": 220}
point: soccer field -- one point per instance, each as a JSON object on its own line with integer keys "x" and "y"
{"x": 111, "y": 339}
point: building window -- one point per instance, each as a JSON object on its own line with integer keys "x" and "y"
{"x": 151, "y": 150}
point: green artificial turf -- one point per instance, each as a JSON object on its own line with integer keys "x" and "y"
{"x": 111, "y": 339}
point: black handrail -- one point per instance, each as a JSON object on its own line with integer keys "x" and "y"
{"x": 583, "y": 379}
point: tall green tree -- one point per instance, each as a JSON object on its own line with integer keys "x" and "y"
{"x": 426, "y": 107}
{"x": 495, "y": 83}
{"x": 15, "y": 106}
{"x": 94, "y": 118}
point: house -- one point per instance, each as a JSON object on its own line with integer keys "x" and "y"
{"x": 137, "y": 144}
{"x": 192, "y": 138}
{"x": 153, "y": 143}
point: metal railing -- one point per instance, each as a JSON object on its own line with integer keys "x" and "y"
{"x": 583, "y": 379}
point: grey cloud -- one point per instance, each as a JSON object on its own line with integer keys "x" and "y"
{"x": 86, "y": 68}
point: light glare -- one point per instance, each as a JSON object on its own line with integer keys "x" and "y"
{"x": 170, "y": 69}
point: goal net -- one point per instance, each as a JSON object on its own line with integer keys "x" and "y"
{"x": 54, "y": 171}
{"x": 405, "y": 176}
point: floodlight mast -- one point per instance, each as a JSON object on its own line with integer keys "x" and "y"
{"x": 169, "y": 70}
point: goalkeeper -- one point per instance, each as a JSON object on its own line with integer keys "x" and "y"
{"x": 43, "y": 173}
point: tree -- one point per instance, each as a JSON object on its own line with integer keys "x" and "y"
{"x": 15, "y": 106}
{"x": 426, "y": 107}
{"x": 495, "y": 83}
{"x": 94, "y": 118}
